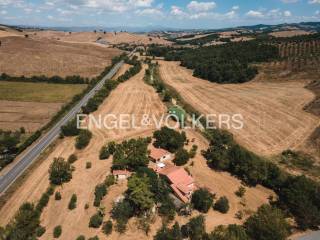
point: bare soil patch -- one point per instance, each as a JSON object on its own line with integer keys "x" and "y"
{"x": 47, "y": 57}
{"x": 274, "y": 119}
{"x": 30, "y": 115}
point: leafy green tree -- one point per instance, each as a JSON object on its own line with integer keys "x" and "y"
{"x": 83, "y": 139}
{"x": 57, "y": 231}
{"x": 169, "y": 139}
{"x": 40, "y": 231}
{"x": 57, "y": 196}
{"x": 267, "y": 223}
{"x": 107, "y": 227}
{"x": 122, "y": 212}
{"x": 24, "y": 223}
{"x": 60, "y": 171}
{"x": 195, "y": 229}
{"x": 73, "y": 202}
{"x": 96, "y": 220}
{"x": 104, "y": 153}
{"x": 230, "y": 232}
{"x": 222, "y": 205}
{"x": 70, "y": 129}
{"x": 241, "y": 191}
{"x": 139, "y": 193}
{"x": 181, "y": 157}
{"x": 202, "y": 200}
{"x": 72, "y": 158}
{"x": 169, "y": 234}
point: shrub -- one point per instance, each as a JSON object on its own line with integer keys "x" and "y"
{"x": 81, "y": 237}
{"x": 72, "y": 158}
{"x": 104, "y": 153}
{"x": 73, "y": 202}
{"x": 112, "y": 147}
{"x": 240, "y": 192}
{"x": 99, "y": 192}
{"x": 83, "y": 139}
{"x": 107, "y": 227}
{"x": 43, "y": 202}
{"x": 88, "y": 165}
{"x": 57, "y": 196}
{"x": 195, "y": 229}
{"x": 193, "y": 151}
{"x": 222, "y": 205}
{"x": 50, "y": 190}
{"x": 60, "y": 171}
{"x": 202, "y": 200}
{"x": 94, "y": 238}
{"x": 86, "y": 206}
{"x": 40, "y": 231}
{"x": 96, "y": 220}
{"x": 181, "y": 157}
{"x": 57, "y": 231}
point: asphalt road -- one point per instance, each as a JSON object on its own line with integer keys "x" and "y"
{"x": 27, "y": 158}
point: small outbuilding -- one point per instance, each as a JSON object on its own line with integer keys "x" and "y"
{"x": 121, "y": 174}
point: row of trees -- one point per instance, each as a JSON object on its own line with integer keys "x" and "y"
{"x": 75, "y": 79}
{"x": 267, "y": 223}
{"x": 298, "y": 195}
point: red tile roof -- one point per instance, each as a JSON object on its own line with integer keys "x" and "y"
{"x": 120, "y": 172}
{"x": 157, "y": 153}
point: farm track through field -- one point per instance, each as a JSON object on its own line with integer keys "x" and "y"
{"x": 274, "y": 119}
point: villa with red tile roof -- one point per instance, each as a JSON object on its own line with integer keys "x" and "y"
{"x": 159, "y": 154}
{"x": 182, "y": 183}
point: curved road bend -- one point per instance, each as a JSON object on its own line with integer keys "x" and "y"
{"x": 27, "y": 158}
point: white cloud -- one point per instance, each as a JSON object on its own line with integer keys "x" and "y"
{"x": 232, "y": 14}
{"x": 176, "y": 11}
{"x": 317, "y": 12}
{"x": 201, "y": 6}
{"x": 314, "y": 1}
{"x": 3, "y": 12}
{"x": 50, "y": 17}
{"x": 235, "y": 8}
{"x": 255, "y": 14}
{"x": 150, "y": 12}
{"x": 141, "y": 3}
{"x": 287, "y": 13}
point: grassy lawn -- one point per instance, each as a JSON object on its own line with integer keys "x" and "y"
{"x": 39, "y": 92}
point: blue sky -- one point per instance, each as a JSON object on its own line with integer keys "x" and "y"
{"x": 174, "y": 13}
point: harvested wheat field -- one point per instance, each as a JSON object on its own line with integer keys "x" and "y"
{"x": 289, "y": 33}
{"x": 30, "y": 115}
{"x": 131, "y": 97}
{"x": 50, "y": 58}
{"x": 272, "y": 112}
{"x": 107, "y": 38}
{"x": 122, "y": 70}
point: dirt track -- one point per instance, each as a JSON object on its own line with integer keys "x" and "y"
{"x": 273, "y": 114}
{"x": 47, "y": 57}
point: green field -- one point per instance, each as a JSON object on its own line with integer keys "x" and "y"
{"x": 39, "y": 92}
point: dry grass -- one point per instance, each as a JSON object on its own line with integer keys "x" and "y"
{"x": 274, "y": 119}
{"x": 47, "y": 57}
{"x": 39, "y": 92}
{"x": 30, "y": 115}
{"x": 110, "y": 38}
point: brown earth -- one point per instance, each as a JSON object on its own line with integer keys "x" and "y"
{"x": 109, "y": 38}
{"x": 48, "y": 57}
{"x": 30, "y": 115}
{"x": 273, "y": 115}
